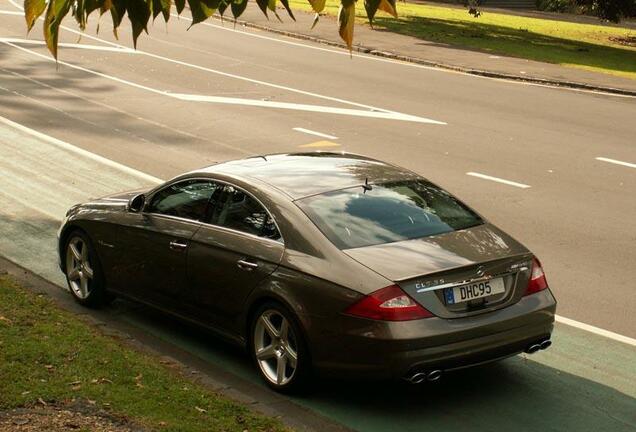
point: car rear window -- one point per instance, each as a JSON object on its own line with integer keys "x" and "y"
{"x": 387, "y": 213}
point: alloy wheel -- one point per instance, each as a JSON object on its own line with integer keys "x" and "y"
{"x": 275, "y": 347}
{"x": 78, "y": 267}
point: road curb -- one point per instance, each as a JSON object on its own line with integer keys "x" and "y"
{"x": 424, "y": 62}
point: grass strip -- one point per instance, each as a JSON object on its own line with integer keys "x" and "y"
{"x": 48, "y": 355}
{"x": 585, "y": 46}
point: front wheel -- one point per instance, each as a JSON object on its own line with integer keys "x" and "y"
{"x": 278, "y": 348}
{"x": 83, "y": 271}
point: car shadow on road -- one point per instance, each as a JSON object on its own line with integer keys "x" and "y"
{"x": 516, "y": 394}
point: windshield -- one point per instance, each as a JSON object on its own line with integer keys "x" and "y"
{"x": 389, "y": 212}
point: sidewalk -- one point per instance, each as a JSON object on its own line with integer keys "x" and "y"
{"x": 408, "y": 48}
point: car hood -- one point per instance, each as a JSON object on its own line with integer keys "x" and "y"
{"x": 113, "y": 202}
{"x": 412, "y": 258}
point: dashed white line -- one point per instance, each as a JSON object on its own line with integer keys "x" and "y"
{"x": 310, "y": 132}
{"x": 498, "y": 180}
{"x": 616, "y": 162}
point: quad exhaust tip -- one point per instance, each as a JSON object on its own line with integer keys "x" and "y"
{"x": 420, "y": 377}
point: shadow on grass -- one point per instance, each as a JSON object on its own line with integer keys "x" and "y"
{"x": 515, "y": 394}
{"x": 513, "y": 42}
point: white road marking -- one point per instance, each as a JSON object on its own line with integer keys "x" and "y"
{"x": 66, "y": 146}
{"x": 6, "y": 12}
{"x": 71, "y": 45}
{"x": 302, "y": 107}
{"x": 498, "y": 180}
{"x": 383, "y": 114}
{"x": 310, "y": 132}
{"x": 242, "y": 78}
{"x": 320, "y": 144}
{"x": 616, "y": 162}
{"x": 100, "y": 159}
{"x": 596, "y": 330}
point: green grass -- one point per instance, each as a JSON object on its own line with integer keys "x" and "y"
{"x": 577, "y": 45}
{"x": 50, "y": 355}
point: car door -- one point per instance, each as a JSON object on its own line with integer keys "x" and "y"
{"x": 156, "y": 242}
{"x": 228, "y": 257}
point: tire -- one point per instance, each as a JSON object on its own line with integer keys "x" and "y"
{"x": 83, "y": 271}
{"x": 276, "y": 337}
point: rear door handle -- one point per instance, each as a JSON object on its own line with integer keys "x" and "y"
{"x": 246, "y": 265}
{"x": 177, "y": 246}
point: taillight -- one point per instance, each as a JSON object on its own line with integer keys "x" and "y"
{"x": 537, "y": 280}
{"x": 388, "y": 304}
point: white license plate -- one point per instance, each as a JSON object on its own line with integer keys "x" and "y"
{"x": 474, "y": 290}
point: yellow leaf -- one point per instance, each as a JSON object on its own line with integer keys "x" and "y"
{"x": 388, "y": 7}
{"x": 317, "y": 5}
{"x": 346, "y": 19}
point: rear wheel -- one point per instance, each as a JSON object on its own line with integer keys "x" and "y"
{"x": 278, "y": 348}
{"x": 83, "y": 271}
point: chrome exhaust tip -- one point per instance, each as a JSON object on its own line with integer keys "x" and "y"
{"x": 546, "y": 344}
{"x": 416, "y": 378}
{"x": 533, "y": 348}
{"x": 434, "y": 375}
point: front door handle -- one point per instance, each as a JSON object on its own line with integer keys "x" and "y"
{"x": 246, "y": 265}
{"x": 177, "y": 246}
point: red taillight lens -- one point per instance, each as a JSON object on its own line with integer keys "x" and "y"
{"x": 388, "y": 304}
{"x": 537, "y": 280}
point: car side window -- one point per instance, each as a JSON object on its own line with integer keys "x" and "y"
{"x": 239, "y": 211}
{"x": 186, "y": 199}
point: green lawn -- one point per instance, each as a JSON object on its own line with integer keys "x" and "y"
{"x": 570, "y": 44}
{"x": 49, "y": 355}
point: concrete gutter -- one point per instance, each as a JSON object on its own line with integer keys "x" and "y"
{"x": 410, "y": 59}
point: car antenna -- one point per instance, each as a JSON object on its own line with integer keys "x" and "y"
{"x": 366, "y": 186}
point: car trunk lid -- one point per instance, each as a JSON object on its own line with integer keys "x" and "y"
{"x": 425, "y": 268}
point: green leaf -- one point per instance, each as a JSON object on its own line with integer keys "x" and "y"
{"x": 317, "y": 5}
{"x": 32, "y": 11}
{"x": 202, "y": 9}
{"x": 55, "y": 13}
{"x": 180, "y": 4}
{"x": 285, "y": 3}
{"x": 262, "y": 4}
{"x": 346, "y": 20}
{"x": 238, "y": 7}
{"x": 371, "y": 6}
{"x": 139, "y": 12}
{"x": 117, "y": 12}
{"x": 223, "y": 7}
{"x": 161, "y": 7}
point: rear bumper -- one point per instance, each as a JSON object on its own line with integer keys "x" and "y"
{"x": 373, "y": 349}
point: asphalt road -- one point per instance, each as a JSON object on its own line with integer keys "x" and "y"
{"x": 187, "y": 99}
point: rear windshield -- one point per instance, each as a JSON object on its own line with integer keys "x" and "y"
{"x": 389, "y": 212}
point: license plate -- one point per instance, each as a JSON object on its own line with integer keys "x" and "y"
{"x": 474, "y": 290}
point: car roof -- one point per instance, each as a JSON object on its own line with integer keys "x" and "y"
{"x": 304, "y": 174}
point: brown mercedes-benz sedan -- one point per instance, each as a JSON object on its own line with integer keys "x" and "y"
{"x": 330, "y": 262}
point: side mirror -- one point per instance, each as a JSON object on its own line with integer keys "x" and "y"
{"x": 137, "y": 203}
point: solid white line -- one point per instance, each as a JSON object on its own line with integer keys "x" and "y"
{"x": 498, "y": 180}
{"x": 302, "y": 107}
{"x": 617, "y": 162}
{"x": 66, "y": 146}
{"x": 6, "y": 12}
{"x": 596, "y": 330}
{"x": 310, "y": 132}
{"x": 71, "y": 45}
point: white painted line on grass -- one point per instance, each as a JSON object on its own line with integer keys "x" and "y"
{"x": 310, "y": 132}
{"x": 616, "y": 162}
{"x": 596, "y": 330}
{"x": 66, "y": 146}
{"x": 71, "y": 45}
{"x": 498, "y": 180}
